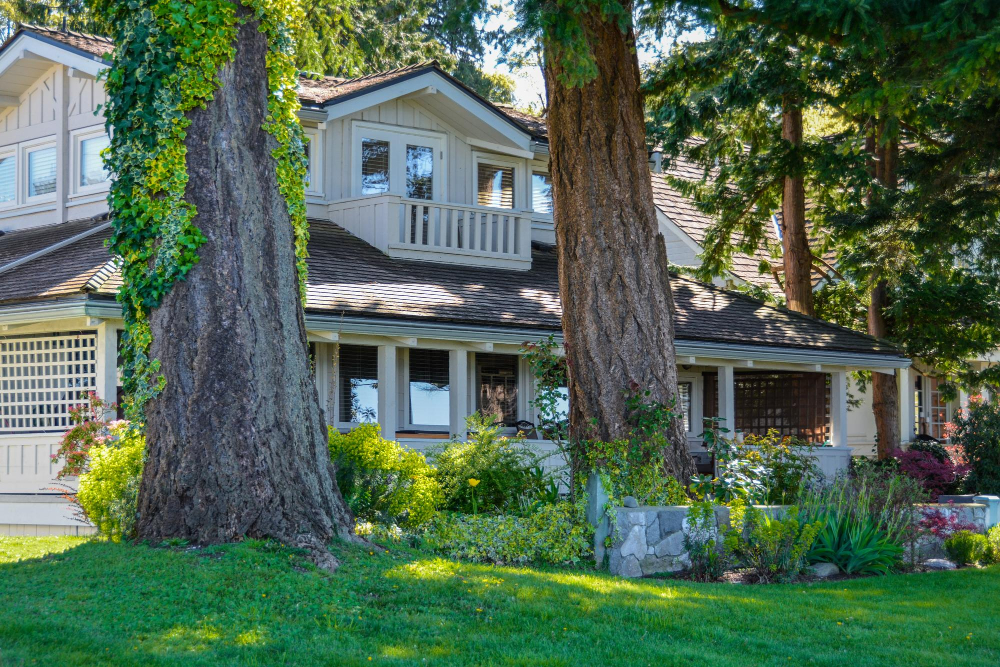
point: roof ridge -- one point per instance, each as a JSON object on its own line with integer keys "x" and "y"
{"x": 395, "y": 70}
{"x": 85, "y": 35}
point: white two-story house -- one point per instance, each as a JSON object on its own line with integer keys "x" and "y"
{"x": 431, "y": 263}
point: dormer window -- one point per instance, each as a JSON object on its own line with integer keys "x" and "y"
{"x": 397, "y": 161}
{"x": 374, "y": 166}
{"x": 419, "y": 172}
{"x": 92, "y": 171}
{"x": 541, "y": 192}
{"x": 495, "y": 185}
{"x": 41, "y": 171}
{"x": 314, "y": 161}
{"x": 8, "y": 178}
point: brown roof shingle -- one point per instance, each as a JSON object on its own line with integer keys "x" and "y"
{"x": 349, "y": 277}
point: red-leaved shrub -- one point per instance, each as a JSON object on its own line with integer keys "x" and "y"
{"x": 937, "y": 477}
{"x": 944, "y": 524}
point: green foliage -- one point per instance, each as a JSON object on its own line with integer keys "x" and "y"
{"x": 510, "y": 475}
{"x": 772, "y": 548}
{"x": 977, "y": 432}
{"x": 854, "y": 544}
{"x": 966, "y": 547}
{"x": 556, "y": 534}
{"x": 109, "y": 489}
{"x": 165, "y": 63}
{"x": 381, "y": 481}
{"x": 709, "y": 556}
{"x": 992, "y": 555}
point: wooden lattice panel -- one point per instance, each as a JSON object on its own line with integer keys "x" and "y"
{"x": 42, "y": 377}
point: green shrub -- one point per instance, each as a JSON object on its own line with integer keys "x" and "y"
{"x": 992, "y": 556}
{"x": 977, "y": 432}
{"x": 709, "y": 558}
{"x": 854, "y": 544}
{"x": 557, "y": 534}
{"x": 772, "y": 548}
{"x": 966, "y": 547}
{"x": 381, "y": 481}
{"x": 109, "y": 489}
{"x": 509, "y": 473}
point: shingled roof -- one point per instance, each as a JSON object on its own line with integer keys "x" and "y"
{"x": 349, "y": 277}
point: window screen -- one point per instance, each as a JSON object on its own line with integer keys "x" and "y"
{"x": 419, "y": 172}
{"x": 8, "y": 178}
{"x": 374, "y": 166}
{"x": 497, "y": 378}
{"x": 42, "y": 172}
{"x": 358, "y": 368}
{"x": 541, "y": 192}
{"x": 430, "y": 387}
{"x": 92, "y": 171}
{"x": 495, "y": 186}
{"x": 42, "y": 377}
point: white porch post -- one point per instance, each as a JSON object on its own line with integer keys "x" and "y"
{"x": 907, "y": 418}
{"x": 727, "y": 399}
{"x": 387, "y": 388}
{"x": 323, "y": 375}
{"x": 838, "y": 408}
{"x": 458, "y": 373}
{"x": 107, "y": 363}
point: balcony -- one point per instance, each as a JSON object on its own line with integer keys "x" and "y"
{"x": 443, "y": 232}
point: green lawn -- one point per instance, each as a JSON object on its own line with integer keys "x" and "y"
{"x": 250, "y": 604}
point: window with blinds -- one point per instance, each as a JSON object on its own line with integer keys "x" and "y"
{"x": 495, "y": 186}
{"x": 374, "y": 166}
{"x": 42, "y": 377}
{"x": 496, "y": 375}
{"x": 41, "y": 172}
{"x": 8, "y": 178}
{"x": 307, "y": 149}
{"x": 357, "y": 366}
{"x": 419, "y": 172}
{"x": 92, "y": 171}
{"x": 541, "y": 192}
{"x": 684, "y": 404}
{"x": 429, "y": 388}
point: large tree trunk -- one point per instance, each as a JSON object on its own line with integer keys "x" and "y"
{"x": 236, "y": 440}
{"x": 618, "y": 311}
{"x": 796, "y": 254}
{"x": 885, "y": 389}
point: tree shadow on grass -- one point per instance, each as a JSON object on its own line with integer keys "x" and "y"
{"x": 247, "y": 604}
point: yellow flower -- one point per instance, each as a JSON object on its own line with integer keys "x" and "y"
{"x": 473, "y": 482}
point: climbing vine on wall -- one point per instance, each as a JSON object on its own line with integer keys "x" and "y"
{"x": 167, "y": 57}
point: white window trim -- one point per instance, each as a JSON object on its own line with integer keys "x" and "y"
{"x": 405, "y": 402}
{"x": 76, "y": 141}
{"x": 315, "y": 136}
{"x": 398, "y": 137}
{"x": 26, "y": 149}
{"x": 520, "y": 197}
{"x": 12, "y": 151}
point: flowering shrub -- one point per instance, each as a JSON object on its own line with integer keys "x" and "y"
{"x": 109, "y": 488}
{"x": 381, "y": 481}
{"x": 89, "y": 430}
{"x": 977, "y": 432}
{"x": 556, "y": 534}
{"x": 509, "y": 473}
{"x": 938, "y": 476}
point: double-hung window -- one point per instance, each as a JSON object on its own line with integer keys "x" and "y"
{"x": 429, "y": 389}
{"x": 89, "y": 173}
{"x": 495, "y": 184}
{"x": 40, "y": 181}
{"x": 8, "y": 178}
{"x": 541, "y": 192}
{"x": 400, "y": 161}
{"x": 357, "y": 369}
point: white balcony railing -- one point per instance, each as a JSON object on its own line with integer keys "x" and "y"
{"x": 438, "y": 231}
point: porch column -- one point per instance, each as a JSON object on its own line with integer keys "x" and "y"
{"x": 387, "y": 390}
{"x": 906, "y": 416}
{"x": 838, "y": 408}
{"x": 107, "y": 363}
{"x": 727, "y": 399}
{"x": 458, "y": 378}
{"x": 323, "y": 375}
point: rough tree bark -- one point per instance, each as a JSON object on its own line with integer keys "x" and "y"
{"x": 885, "y": 387}
{"x": 618, "y": 310}
{"x": 796, "y": 254}
{"x": 237, "y": 444}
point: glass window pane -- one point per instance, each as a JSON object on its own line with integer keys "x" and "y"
{"x": 430, "y": 387}
{"x": 419, "y": 172}
{"x": 541, "y": 192}
{"x": 374, "y": 166}
{"x": 358, "y": 367}
{"x": 495, "y": 186}
{"x": 8, "y": 179}
{"x": 684, "y": 404}
{"x": 307, "y": 147}
{"x": 42, "y": 172}
{"x": 92, "y": 171}
{"x": 498, "y": 387}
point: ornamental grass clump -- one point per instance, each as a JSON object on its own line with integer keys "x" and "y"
{"x": 383, "y": 482}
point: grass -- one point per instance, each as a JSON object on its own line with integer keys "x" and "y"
{"x": 67, "y": 601}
